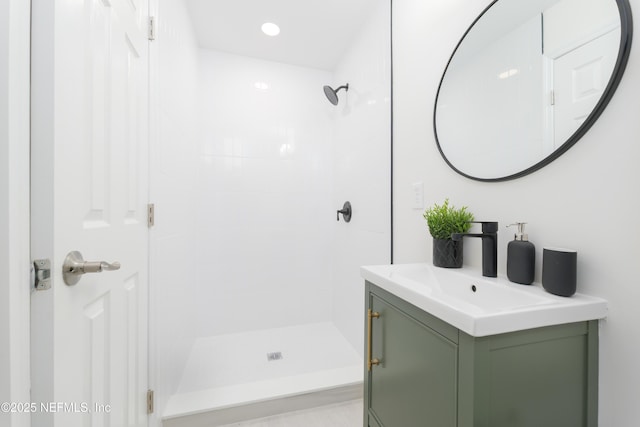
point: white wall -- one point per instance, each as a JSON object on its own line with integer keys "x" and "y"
{"x": 362, "y": 167}
{"x": 14, "y": 207}
{"x": 587, "y": 199}
{"x": 174, "y": 135}
{"x": 264, "y": 212}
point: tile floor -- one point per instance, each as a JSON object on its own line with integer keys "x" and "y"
{"x": 347, "y": 414}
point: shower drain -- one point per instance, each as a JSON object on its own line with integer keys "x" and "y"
{"x": 276, "y": 355}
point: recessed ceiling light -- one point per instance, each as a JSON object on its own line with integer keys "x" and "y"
{"x": 270, "y": 29}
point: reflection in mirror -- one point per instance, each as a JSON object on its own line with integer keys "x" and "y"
{"x": 526, "y": 81}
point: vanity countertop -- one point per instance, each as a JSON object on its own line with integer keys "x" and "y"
{"x": 478, "y": 305}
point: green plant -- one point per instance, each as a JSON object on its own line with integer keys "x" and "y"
{"x": 445, "y": 219}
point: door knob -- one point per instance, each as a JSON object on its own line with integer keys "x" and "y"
{"x": 75, "y": 266}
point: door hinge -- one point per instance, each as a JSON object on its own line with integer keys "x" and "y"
{"x": 552, "y": 98}
{"x": 151, "y": 215}
{"x": 149, "y": 401}
{"x": 152, "y": 28}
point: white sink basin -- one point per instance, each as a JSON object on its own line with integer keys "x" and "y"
{"x": 478, "y": 305}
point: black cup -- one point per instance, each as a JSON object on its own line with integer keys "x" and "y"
{"x": 559, "y": 271}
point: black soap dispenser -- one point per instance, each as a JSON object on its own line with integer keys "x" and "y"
{"x": 521, "y": 257}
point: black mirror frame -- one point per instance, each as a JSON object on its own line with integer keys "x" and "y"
{"x": 626, "y": 33}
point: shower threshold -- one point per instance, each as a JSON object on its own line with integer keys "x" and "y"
{"x": 236, "y": 377}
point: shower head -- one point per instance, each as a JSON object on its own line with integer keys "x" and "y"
{"x": 332, "y": 94}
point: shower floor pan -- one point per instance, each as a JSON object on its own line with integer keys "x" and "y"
{"x": 236, "y": 377}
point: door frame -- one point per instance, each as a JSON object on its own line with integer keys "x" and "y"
{"x": 15, "y": 209}
{"x": 15, "y": 20}
{"x": 155, "y": 418}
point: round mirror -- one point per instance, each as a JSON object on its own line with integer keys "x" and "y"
{"x": 526, "y": 81}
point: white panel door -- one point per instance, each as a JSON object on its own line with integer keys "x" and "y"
{"x": 580, "y": 77}
{"x": 89, "y": 194}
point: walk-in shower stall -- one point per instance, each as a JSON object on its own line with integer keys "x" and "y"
{"x": 256, "y": 299}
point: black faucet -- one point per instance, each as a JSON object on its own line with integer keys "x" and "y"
{"x": 489, "y": 238}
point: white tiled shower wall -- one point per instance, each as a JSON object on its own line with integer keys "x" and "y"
{"x": 362, "y": 168}
{"x": 276, "y": 161}
{"x": 264, "y": 212}
{"x": 252, "y": 163}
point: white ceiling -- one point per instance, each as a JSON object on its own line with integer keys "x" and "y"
{"x": 313, "y": 33}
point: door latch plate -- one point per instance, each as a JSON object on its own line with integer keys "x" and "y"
{"x": 42, "y": 269}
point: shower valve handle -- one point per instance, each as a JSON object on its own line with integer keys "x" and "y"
{"x": 345, "y": 211}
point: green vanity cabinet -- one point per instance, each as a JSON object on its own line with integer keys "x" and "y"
{"x": 430, "y": 374}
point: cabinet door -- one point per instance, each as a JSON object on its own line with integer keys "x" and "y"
{"x": 415, "y": 383}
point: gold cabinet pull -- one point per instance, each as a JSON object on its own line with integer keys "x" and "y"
{"x": 370, "y": 316}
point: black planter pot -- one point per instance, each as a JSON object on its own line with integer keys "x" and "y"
{"x": 447, "y": 253}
